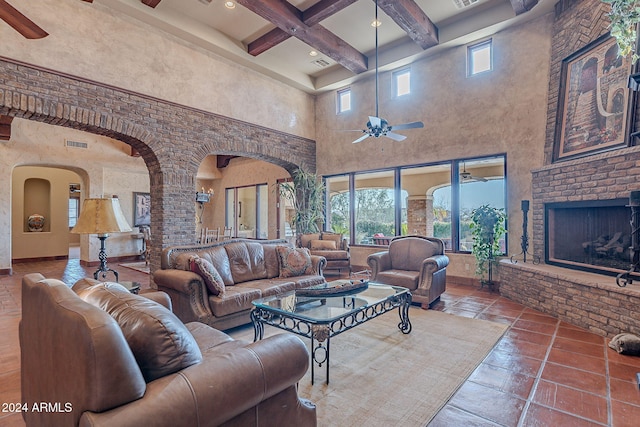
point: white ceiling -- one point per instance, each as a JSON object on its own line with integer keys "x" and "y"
{"x": 227, "y": 32}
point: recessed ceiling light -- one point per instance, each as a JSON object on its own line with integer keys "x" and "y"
{"x": 376, "y": 23}
{"x": 313, "y": 53}
{"x": 229, "y": 4}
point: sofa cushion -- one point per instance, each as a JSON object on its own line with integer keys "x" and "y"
{"x": 332, "y": 255}
{"x": 182, "y": 261}
{"x": 333, "y": 237}
{"x": 305, "y": 239}
{"x": 159, "y": 341}
{"x": 404, "y": 278}
{"x": 209, "y": 274}
{"x": 234, "y": 300}
{"x": 246, "y": 261}
{"x": 320, "y": 245}
{"x": 271, "y": 260}
{"x": 217, "y": 256}
{"x": 294, "y": 261}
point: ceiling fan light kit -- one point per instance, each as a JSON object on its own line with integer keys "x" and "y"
{"x": 376, "y": 126}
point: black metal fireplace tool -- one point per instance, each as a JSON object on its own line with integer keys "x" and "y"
{"x": 625, "y": 278}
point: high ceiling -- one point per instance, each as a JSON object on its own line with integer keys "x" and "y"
{"x": 275, "y": 37}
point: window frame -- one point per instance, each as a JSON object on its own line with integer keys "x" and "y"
{"x": 339, "y": 94}
{"x": 454, "y": 167}
{"x": 477, "y": 47}
{"x": 395, "y": 75}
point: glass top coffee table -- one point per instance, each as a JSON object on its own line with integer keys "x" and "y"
{"x": 324, "y": 316}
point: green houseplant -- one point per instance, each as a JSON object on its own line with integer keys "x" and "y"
{"x": 487, "y": 228}
{"x": 624, "y": 16}
{"x": 306, "y": 194}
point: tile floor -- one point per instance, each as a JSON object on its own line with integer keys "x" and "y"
{"x": 543, "y": 372}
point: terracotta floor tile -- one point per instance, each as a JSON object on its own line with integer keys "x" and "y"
{"x": 623, "y": 372}
{"x": 575, "y": 378}
{"x": 539, "y": 318}
{"x": 451, "y": 416}
{"x": 503, "y": 380}
{"x": 574, "y": 346}
{"x": 529, "y": 336}
{"x": 508, "y": 312}
{"x": 577, "y": 402}
{"x": 522, "y": 348}
{"x": 540, "y": 416}
{"x": 580, "y": 335}
{"x": 592, "y": 364}
{"x": 623, "y": 359}
{"x": 488, "y": 403}
{"x": 529, "y": 325}
{"x": 498, "y": 318}
{"x": 625, "y": 391}
{"x": 514, "y": 362}
{"x": 624, "y": 415}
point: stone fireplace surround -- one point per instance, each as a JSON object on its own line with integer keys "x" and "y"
{"x": 592, "y": 301}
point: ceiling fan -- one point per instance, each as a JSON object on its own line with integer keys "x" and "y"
{"x": 377, "y": 126}
{"x": 466, "y": 176}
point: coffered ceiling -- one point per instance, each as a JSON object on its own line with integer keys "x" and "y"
{"x": 276, "y": 37}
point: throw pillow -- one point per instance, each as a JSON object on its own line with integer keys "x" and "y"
{"x": 626, "y": 344}
{"x": 160, "y": 342}
{"x": 209, "y": 274}
{"x": 294, "y": 261}
{"x": 323, "y": 245}
{"x": 305, "y": 239}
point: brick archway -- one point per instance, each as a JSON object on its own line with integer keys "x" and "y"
{"x": 172, "y": 139}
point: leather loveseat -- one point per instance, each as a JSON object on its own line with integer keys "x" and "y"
{"x": 239, "y": 272}
{"x": 105, "y": 357}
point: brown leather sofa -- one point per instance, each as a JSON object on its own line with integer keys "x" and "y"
{"x": 249, "y": 269}
{"x": 333, "y": 246}
{"x": 414, "y": 262}
{"x": 106, "y": 357}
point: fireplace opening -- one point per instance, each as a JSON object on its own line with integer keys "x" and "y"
{"x": 589, "y": 235}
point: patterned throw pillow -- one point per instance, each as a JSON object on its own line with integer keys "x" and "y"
{"x": 209, "y": 274}
{"x": 323, "y": 245}
{"x": 294, "y": 261}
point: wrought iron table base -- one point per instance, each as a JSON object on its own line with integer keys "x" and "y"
{"x": 321, "y": 332}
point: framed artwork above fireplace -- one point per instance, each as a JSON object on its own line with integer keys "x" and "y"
{"x": 594, "y": 101}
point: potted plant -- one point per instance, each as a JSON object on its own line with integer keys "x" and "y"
{"x": 624, "y": 16}
{"x": 306, "y": 193}
{"x": 487, "y": 228}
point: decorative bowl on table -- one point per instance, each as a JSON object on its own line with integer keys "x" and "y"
{"x": 334, "y": 288}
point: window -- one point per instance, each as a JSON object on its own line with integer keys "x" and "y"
{"x": 344, "y": 100}
{"x": 433, "y": 200}
{"x": 479, "y": 58}
{"x": 402, "y": 82}
{"x": 74, "y": 206}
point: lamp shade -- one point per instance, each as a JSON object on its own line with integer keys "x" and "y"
{"x": 101, "y": 216}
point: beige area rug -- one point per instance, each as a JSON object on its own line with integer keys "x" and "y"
{"x": 381, "y": 377}
{"x": 138, "y": 266}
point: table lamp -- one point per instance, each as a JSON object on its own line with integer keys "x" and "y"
{"x": 101, "y": 217}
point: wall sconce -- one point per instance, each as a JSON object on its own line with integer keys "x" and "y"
{"x": 202, "y": 197}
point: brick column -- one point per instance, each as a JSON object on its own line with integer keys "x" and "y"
{"x": 420, "y": 215}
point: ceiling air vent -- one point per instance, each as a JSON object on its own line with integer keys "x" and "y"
{"x": 320, "y": 63}
{"x": 461, "y": 4}
{"x": 76, "y": 144}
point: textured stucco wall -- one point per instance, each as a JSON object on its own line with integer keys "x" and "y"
{"x": 503, "y": 111}
{"x": 92, "y": 41}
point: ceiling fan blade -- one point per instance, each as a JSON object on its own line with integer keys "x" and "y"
{"x": 19, "y": 22}
{"x": 412, "y": 125}
{"x": 375, "y": 121}
{"x": 362, "y": 138}
{"x": 395, "y": 136}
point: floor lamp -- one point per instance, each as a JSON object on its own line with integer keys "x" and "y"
{"x": 101, "y": 217}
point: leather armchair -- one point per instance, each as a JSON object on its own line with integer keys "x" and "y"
{"x": 332, "y": 246}
{"x": 414, "y": 262}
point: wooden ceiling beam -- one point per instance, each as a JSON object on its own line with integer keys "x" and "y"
{"x": 312, "y": 16}
{"x": 150, "y": 3}
{"x": 522, "y": 6}
{"x": 5, "y": 127}
{"x": 19, "y": 22}
{"x": 411, "y": 18}
{"x": 289, "y": 19}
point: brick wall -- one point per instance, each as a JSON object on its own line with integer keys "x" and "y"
{"x": 173, "y": 139}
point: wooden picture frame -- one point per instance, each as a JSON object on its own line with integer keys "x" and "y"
{"x": 594, "y": 101}
{"x": 141, "y": 209}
